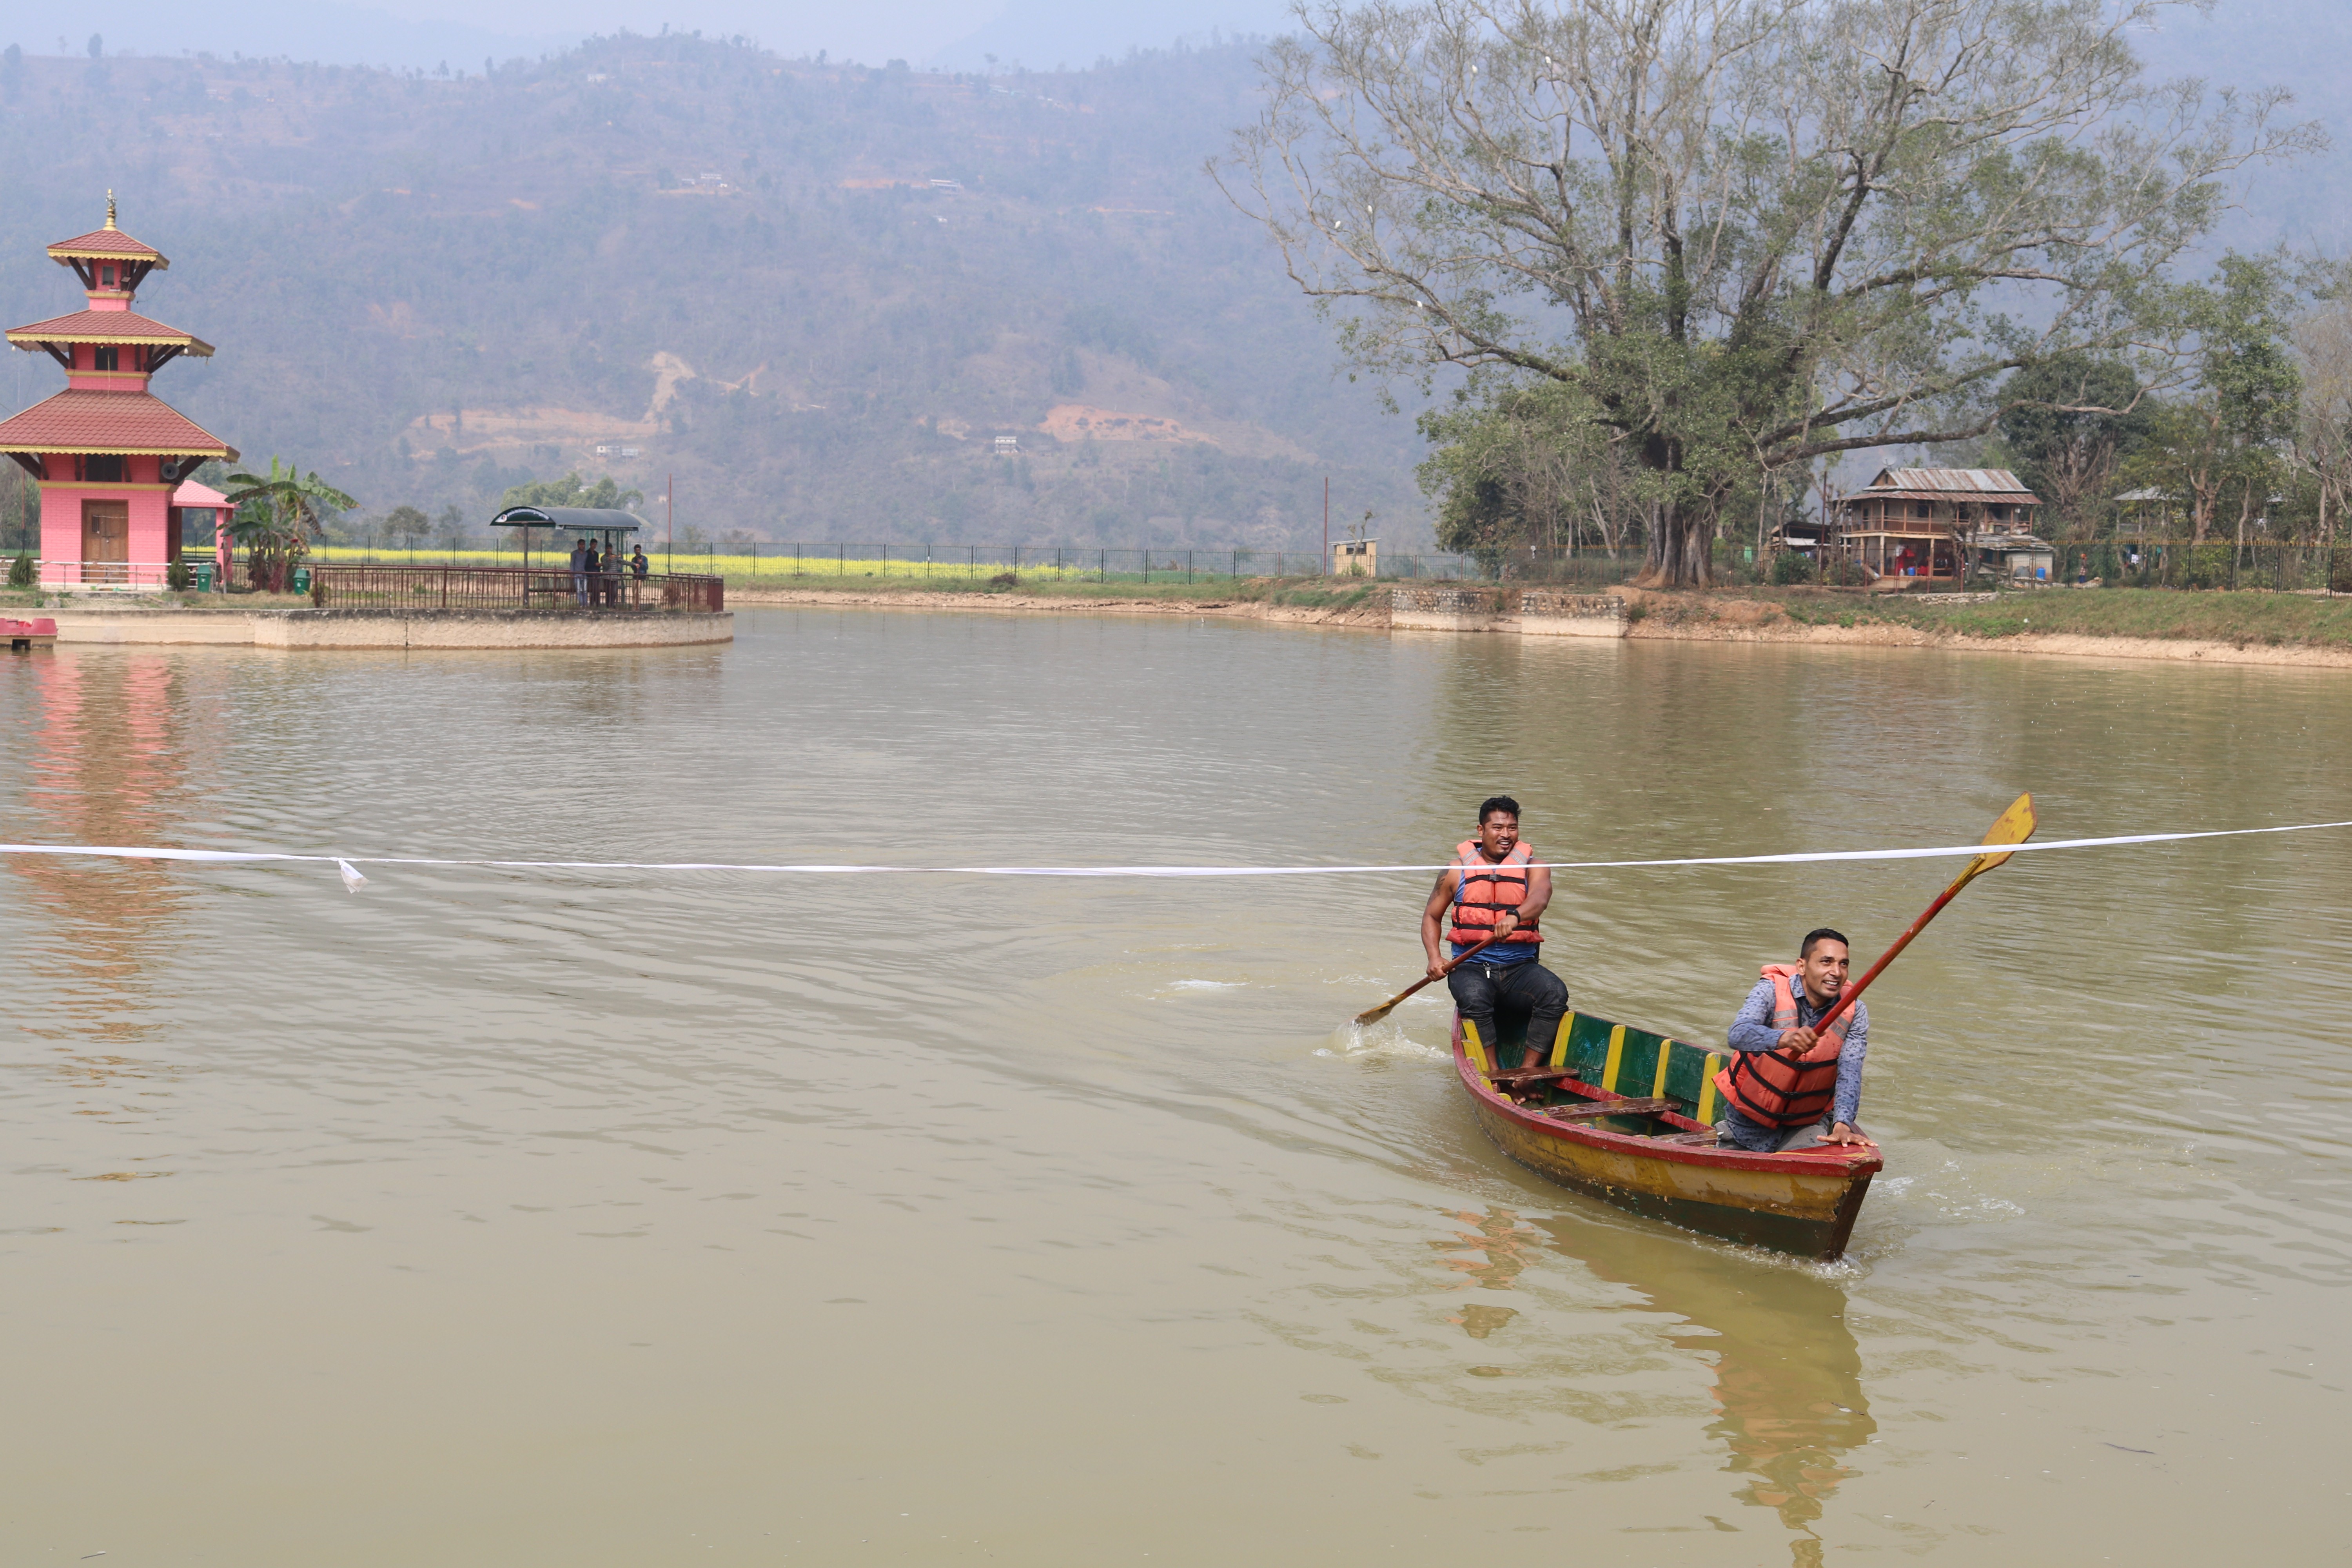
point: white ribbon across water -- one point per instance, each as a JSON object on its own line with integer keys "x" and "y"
{"x": 352, "y": 878}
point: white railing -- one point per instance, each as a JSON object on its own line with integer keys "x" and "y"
{"x": 101, "y": 576}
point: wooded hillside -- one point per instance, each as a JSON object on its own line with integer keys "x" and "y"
{"x": 745, "y": 270}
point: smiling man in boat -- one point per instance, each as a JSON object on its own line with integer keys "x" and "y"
{"x": 1792, "y": 1085}
{"x": 1493, "y": 889}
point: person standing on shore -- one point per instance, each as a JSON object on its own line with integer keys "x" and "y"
{"x": 580, "y": 559}
{"x": 1493, "y": 888}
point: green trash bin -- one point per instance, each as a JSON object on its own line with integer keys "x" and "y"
{"x": 301, "y": 579}
{"x": 204, "y": 577}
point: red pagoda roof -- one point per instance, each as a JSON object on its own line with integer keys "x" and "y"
{"x": 133, "y": 424}
{"x": 105, "y": 327}
{"x": 107, "y": 243}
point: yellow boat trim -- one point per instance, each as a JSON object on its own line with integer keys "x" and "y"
{"x": 1616, "y": 1059}
{"x": 1560, "y": 1047}
{"x": 1477, "y": 1052}
{"x": 1665, "y": 1059}
{"x": 1705, "y": 1112}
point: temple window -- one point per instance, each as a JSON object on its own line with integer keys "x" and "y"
{"x": 105, "y": 276}
{"x": 105, "y": 358}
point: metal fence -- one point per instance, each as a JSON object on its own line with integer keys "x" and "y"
{"x": 2128, "y": 563}
{"x": 743, "y": 563}
{"x": 349, "y": 587}
{"x": 91, "y": 575}
{"x": 1042, "y": 564}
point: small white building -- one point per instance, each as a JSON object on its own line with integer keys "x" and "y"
{"x": 1008, "y": 446}
{"x": 1355, "y": 558}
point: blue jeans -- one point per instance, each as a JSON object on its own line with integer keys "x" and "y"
{"x": 1757, "y": 1138}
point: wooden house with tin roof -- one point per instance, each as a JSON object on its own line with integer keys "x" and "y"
{"x": 1916, "y": 525}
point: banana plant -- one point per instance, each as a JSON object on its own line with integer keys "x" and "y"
{"x": 275, "y": 517}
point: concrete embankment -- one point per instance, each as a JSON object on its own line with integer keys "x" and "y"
{"x": 1628, "y": 614}
{"x": 372, "y": 628}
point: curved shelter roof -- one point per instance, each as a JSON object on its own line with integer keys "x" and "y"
{"x": 107, "y": 327}
{"x": 579, "y": 519}
{"x": 132, "y": 424}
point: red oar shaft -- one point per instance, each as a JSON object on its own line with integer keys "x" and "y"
{"x": 1847, "y": 996}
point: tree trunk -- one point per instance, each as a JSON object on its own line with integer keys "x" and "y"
{"x": 1681, "y": 554}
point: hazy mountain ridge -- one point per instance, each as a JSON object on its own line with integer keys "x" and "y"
{"x": 433, "y": 288}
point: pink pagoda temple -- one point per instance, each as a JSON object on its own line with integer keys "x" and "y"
{"x": 106, "y": 452}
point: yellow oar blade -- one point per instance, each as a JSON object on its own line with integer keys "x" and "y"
{"x": 2014, "y": 825}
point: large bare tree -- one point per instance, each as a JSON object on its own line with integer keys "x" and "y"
{"x": 1752, "y": 232}
{"x": 2323, "y": 438}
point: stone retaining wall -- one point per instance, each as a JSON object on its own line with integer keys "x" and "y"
{"x": 1529, "y": 612}
{"x": 349, "y": 628}
{"x": 1550, "y": 614}
{"x": 1444, "y": 609}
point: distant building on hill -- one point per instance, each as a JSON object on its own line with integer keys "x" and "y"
{"x": 106, "y": 452}
{"x": 1008, "y": 446}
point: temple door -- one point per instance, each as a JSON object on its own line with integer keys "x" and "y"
{"x": 106, "y": 540}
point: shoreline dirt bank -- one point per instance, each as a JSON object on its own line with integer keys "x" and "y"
{"x": 1635, "y": 615}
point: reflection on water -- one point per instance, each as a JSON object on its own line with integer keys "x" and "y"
{"x": 1787, "y": 1373}
{"x": 107, "y": 764}
{"x": 1497, "y": 1244}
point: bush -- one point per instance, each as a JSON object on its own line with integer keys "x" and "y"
{"x": 1005, "y": 580}
{"x": 20, "y": 571}
{"x": 178, "y": 577}
{"x": 1790, "y": 567}
{"x": 1845, "y": 574}
{"x": 2203, "y": 566}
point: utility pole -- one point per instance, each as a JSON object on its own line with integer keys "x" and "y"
{"x": 1326, "y": 567}
{"x": 669, "y": 506}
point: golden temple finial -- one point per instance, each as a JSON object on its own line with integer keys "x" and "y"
{"x": 110, "y": 209}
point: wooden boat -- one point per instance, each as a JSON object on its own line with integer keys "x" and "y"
{"x": 1626, "y": 1116}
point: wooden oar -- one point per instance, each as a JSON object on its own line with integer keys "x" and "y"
{"x": 2014, "y": 825}
{"x": 1374, "y": 1015}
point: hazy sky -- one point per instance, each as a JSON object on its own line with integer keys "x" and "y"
{"x": 1039, "y": 33}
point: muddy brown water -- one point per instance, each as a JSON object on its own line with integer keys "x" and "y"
{"x": 615, "y": 1218}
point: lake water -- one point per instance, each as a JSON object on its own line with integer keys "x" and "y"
{"x": 584, "y": 1218}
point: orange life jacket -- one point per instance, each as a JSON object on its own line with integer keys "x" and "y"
{"x": 1486, "y": 890}
{"x": 1774, "y": 1088}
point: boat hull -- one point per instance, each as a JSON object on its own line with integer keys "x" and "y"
{"x": 1802, "y": 1203}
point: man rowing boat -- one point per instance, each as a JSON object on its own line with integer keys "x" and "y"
{"x": 1792, "y": 1085}
{"x": 1494, "y": 889}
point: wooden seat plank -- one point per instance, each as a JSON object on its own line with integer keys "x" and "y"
{"x": 1590, "y": 1109}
